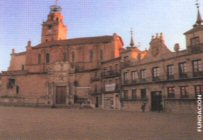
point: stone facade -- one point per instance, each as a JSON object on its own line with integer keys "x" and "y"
{"x": 58, "y": 69}
{"x": 100, "y": 72}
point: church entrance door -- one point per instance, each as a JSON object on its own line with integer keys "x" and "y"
{"x": 61, "y": 95}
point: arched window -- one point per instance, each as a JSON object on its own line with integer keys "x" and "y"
{"x": 47, "y": 58}
{"x": 39, "y": 59}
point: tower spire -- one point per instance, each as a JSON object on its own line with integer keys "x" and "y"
{"x": 132, "y": 44}
{"x": 199, "y": 20}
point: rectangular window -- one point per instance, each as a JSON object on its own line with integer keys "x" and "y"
{"x": 17, "y": 89}
{"x": 170, "y": 72}
{"x": 182, "y": 70}
{"x": 64, "y": 56}
{"x": 125, "y": 76}
{"x": 155, "y": 72}
{"x": 116, "y": 67}
{"x": 195, "y": 41}
{"x": 125, "y": 94}
{"x": 198, "y": 90}
{"x": 134, "y": 96}
{"x": 47, "y": 58}
{"x": 91, "y": 55}
{"x": 171, "y": 92}
{"x": 143, "y": 93}
{"x": 101, "y": 54}
{"x": 39, "y": 59}
{"x": 11, "y": 83}
{"x": 142, "y": 74}
{"x": 134, "y": 76}
{"x": 73, "y": 56}
{"x": 183, "y": 92}
{"x": 125, "y": 58}
{"x": 197, "y": 68}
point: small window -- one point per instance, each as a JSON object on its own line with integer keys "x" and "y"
{"x": 195, "y": 41}
{"x": 47, "y": 58}
{"x": 143, "y": 93}
{"x": 183, "y": 92}
{"x": 134, "y": 75}
{"x": 17, "y": 89}
{"x": 64, "y": 56}
{"x": 91, "y": 55}
{"x": 134, "y": 96}
{"x": 155, "y": 72}
{"x": 142, "y": 74}
{"x": 73, "y": 56}
{"x": 23, "y": 67}
{"x": 197, "y": 65}
{"x": 39, "y": 59}
{"x": 101, "y": 54}
{"x": 198, "y": 90}
{"x": 171, "y": 92}
{"x": 125, "y": 94}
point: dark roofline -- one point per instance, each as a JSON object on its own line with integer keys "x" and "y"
{"x": 78, "y": 41}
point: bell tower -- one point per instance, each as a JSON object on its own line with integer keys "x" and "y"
{"x": 194, "y": 37}
{"x": 54, "y": 28}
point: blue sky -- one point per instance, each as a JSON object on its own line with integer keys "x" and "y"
{"x": 20, "y": 21}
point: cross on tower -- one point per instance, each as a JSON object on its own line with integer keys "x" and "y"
{"x": 56, "y": 2}
{"x": 197, "y": 4}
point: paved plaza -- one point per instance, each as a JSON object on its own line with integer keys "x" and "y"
{"x": 18, "y": 123}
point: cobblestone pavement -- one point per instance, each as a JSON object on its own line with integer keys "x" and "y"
{"x": 18, "y": 123}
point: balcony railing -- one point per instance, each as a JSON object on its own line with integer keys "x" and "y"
{"x": 95, "y": 79}
{"x": 164, "y": 78}
{"x": 110, "y": 74}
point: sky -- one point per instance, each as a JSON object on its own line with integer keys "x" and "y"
{"x": 21, "y": 20}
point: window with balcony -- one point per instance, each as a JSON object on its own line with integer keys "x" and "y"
{"x": 182, "y": 70}
{"x": 183, "y": 92}
{"x": 134, "y": 76}
{"x": 170, "y": 72}
{"x": 143, "y": 93}
{"x": 198, "y": 90}
{"x": 125, "y": 77}
{"x": 171, "y": 92}
{"x": 142, "y": 74}
{"x": 116, "y": 67}
{"x": 156, "y": 73}
{"x": 125, "y": 94}
{"x": 134, "y": 95}
{"x": 197, "y": 68}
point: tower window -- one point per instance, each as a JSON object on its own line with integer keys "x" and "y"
{"x": 195, "y": 41}
{"x": 47, "y": 58}
{"x": 49, "y": 27}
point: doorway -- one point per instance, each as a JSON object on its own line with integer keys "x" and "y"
{"x": 156, "y": 101}
{"x": 97, "y": 102}
{"x": 61, "y": 95}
